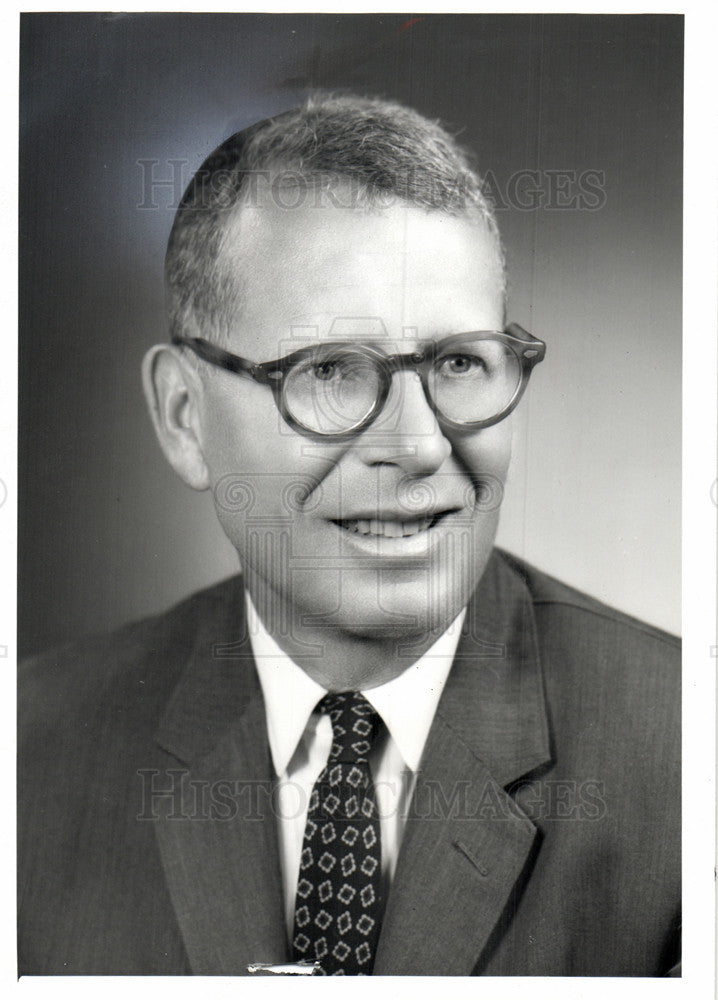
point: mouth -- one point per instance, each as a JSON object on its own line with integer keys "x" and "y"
{"x": 391, "y": 527}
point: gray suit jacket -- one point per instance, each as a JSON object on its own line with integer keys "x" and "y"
{"x": 544, "y": 836}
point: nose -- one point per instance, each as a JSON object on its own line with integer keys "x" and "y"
{"x": 406, "y": 433}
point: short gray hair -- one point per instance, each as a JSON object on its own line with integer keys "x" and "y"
{"x": 378, "y": 148}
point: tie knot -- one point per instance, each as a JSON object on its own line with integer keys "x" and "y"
{"x": 354, "y": 726}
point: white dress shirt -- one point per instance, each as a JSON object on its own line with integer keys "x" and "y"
{"x": 300, "y": 740}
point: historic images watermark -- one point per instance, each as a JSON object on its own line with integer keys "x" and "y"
{"x": 161, "y": 184}
{"x": 550, "y": 190}
{"x": 242, "y": 492}
{"x": 174, "y": 795}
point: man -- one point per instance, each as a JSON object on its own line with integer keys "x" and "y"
{"x": 387, "y": 748}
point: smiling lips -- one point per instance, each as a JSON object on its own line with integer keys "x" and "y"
{"x": 390, "y": 527}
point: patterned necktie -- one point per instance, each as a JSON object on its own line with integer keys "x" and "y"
{"x": 339, "y": 906}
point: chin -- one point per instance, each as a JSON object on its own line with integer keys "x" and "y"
{"x": 376, "y": 595}
{"x": 404, "y": 610}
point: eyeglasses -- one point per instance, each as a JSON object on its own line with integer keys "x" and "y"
{"x": 334, "y": 390}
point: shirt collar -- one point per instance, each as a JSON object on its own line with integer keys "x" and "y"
{"x": 407, "y": 703}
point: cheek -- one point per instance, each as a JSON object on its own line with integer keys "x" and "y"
{"x": 486, "y": 455}
{"x": 261, "y": 469}
{"x": 236, "y": 422}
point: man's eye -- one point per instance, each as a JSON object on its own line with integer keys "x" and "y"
{"x": 461, "y": 364}
{"x": 339, "y": 369}
{"x": 325, "y": 370}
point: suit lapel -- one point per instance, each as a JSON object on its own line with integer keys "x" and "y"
{"x": 466, "y": 843}
{"x": 217, "y": 835}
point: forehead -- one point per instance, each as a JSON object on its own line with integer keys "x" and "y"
{"x": 322, "y": 271}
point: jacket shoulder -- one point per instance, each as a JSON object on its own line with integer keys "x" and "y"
{"x": 552, "y": 595}
{"x": 606, "y": 672}
{"x": 143, "y": 657}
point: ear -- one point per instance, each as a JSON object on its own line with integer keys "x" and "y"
{"x": 173, "y": 392}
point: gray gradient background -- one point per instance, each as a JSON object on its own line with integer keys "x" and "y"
{"x": 107, "y": 533}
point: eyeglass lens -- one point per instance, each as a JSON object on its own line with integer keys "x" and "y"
{"x": 474, "y": 380}
{"x": 337, "y": 387}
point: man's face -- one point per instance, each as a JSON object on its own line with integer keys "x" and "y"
{"x": 388, "y": 533}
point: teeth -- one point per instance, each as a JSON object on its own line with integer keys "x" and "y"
{"x": 386, "y": 529}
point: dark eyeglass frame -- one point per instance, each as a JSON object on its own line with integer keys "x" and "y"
{"x": 528, "y": 349}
